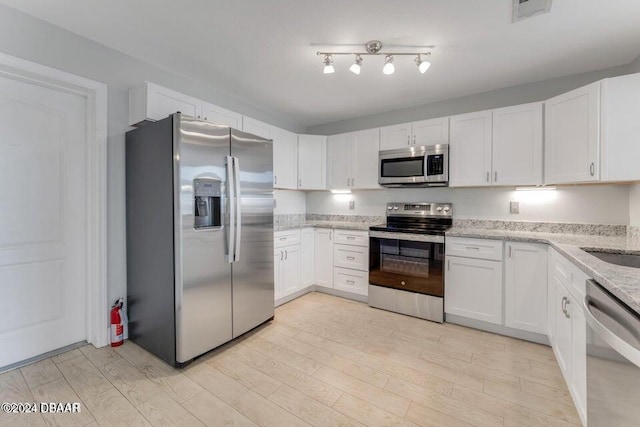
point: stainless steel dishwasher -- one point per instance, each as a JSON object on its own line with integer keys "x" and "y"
{"x": 613, "y": 360}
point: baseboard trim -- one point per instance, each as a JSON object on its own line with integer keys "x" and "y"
{"x": 322, "y": 289}
{"x": 294, "y": 295}
{"x": 42, "y": 357}
{"x": 497, "y": 329}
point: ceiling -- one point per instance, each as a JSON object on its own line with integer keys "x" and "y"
{"x": 261, "y": 50}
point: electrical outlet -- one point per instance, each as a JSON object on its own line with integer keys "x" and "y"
{"x": 514, "y": 207}
{"x": 352, "y": 204}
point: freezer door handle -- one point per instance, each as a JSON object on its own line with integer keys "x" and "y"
{"x": 238, "y": 222}
{"x": 231, "y": 197}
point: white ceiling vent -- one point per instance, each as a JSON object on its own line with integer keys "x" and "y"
{"x": 523, "y": 9}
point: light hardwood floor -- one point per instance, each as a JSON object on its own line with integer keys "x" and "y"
{"x": 323, "y": 361}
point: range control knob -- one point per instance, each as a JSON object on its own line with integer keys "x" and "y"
{"x": 439, "y": 208}
{"x": 447, "y": 208}
{"x": 390, "y": 208}
{"x": 395, "y": 208}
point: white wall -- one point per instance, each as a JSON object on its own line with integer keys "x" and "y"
{"x": 29, "y": 38}
{"x": 289, "y": 202}
{"x": 584, "y": 204}
{"x": 634, "y": 205}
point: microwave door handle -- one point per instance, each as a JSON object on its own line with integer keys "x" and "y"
{"x": 231, "y": 208}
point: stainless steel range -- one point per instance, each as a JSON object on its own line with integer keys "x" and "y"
{"x": 406, "y": 273}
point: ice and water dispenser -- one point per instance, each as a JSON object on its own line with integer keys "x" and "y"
{"x": 207, "y": 204}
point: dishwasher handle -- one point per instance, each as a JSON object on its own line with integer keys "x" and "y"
{"x": 614, "y": 341}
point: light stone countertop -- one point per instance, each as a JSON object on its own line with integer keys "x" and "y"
{"x": 341, "y": 225}
{"x": 623, "y": 282}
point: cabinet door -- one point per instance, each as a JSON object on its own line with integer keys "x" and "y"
{"x": 312, "y": 158}
{"x": 307, "y": 257}
{"x": 291, "y": 281}
{"x": 352, "y": 281}
{"x": 572, "y": 136}
{"x": 517, "y": 145}
{"x": 525, "y": 291}
{"x": 339, "y": 161}
{"x": 213, "y": 113}
{"x": 364, "y": 159}
{"x": 162, "y": 102}
{"x": 324, "y": 257}
{"x": 579, "y": 358}
{"x": 257, "y": 127}
{"x": 285, "y": 159}
{"x": 551, "y": 297}
{"x": 470, "y": 150}
{"x": 564, "y": 346}
{"x": 431, "y": 132}
{"x": 396, "y": 136}
{"x": 473, "y": 289}
{"x": 278, "y": 255}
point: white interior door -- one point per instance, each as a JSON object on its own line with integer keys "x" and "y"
{"x": 42, "y": 219}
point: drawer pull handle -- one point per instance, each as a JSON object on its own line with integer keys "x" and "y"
{"x": 351, "y": 258}
{"x": 351, "y": 282}
{"x": 283, "y": 238}
{"x": 475, "y": 248}
{"x": 351, "y": 238}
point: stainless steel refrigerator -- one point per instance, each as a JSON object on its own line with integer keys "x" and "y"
{"x": 199, "y": 235}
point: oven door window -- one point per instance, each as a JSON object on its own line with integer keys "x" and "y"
{"x": 407, "y": 265}
{"x": 405, "y": 167}
{"x": 435, "y": 164}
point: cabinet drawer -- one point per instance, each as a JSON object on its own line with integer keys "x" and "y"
{"x": 356, "y": 257}
{"x": 286, "y": 238}
{"x": 355, "y": 238}
{"x": 474, "y": 248}
{"x": 356, "y": 282}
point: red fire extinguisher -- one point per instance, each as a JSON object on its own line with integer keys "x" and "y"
{"x": 117, "y": 328}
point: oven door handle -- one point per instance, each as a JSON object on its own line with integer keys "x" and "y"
{"x": 614, "y": 341}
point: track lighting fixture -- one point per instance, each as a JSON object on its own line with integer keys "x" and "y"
{"x": 374, "y": 47}
{"x": 388, "y": 68}
{"x": 328, "y": 64}
{"x": 423, "y": 66}
{"x": 355, "y": 68}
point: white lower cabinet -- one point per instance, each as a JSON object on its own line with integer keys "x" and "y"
{"x": 525, "y": 287}
{"x": 287, "y": 263}
{"x": 323, "y": 245}
{"x": 473, "y": 289}
{"x": 353, "y": 281}
{"x": 351, "y": 261}
{"x": 307, "y": 256}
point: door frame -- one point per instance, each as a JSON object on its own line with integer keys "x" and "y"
{"x": 95, "y": 94}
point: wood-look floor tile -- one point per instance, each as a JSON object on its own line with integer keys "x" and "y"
{"x": 264, "y": 412}
{"x": 132, "y": 383}
{"x": 341, "y": 350}
{"x": 223, "y": 387}
{"x": 376, "y": 396}
{"x": 287, "y": 356}
{"x": 310, "y": 410}
{"x": 365, "y": 412}
{"x": 305, "y": 384}
{"x": 214, "y": 412}
{"x": 22, "y": 420}
{"x": 40, "y": 373}
{"x": 246, "y": 375}
{"x": 445, "y": 404}
{"x": 100, "y": 356}
{"x": 164, "y": 411}
{"x": 429, "y": 417}
{"x": 560, "y": 394}
{"x": 85, "y": 379}
{"x": 289, "y": 343}
{"x": 355, "y": 369}
{"x": 67, "y": 355}
{"x": 112, "y": 409}
{"x": 14, "y": 388}
{"x": 60, "y": 391}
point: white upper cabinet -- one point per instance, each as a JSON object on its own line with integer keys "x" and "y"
{"x": 257, "y": 127}
{"x": 312, "y": 159}
{"x": 339, "y": 161}
{"x": 150, "y": 101}
{"x": 395, "y": 136}
{"x": 470, "y": 150}
{"x": 620, "y": 128}
{"x": 517, "y": 145}
{"x": 572, "y": 136}
{"x": 214, "y": 114}
{"x": 285, "y": 159}
{"x": 353, "y": 160}
{"x": 425, "y": 132}
{"x": 430, "y": 132}
{"x": 364, "y": 159}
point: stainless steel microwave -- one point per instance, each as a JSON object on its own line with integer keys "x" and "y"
{"x": 425, "y": 166}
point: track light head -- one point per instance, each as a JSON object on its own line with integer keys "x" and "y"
{"x": 328, "y": 64}
{"x": 355, "y": 67}
{"x": 423, "y": 66}
{"x": 388, "y": 68}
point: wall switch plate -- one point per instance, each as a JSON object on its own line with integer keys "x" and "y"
{"x": 352, "y": 204}
{"x": 514, "y": 207}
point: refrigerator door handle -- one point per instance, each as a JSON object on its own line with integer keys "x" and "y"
{"x": 231, "y": 208}
{"x": 238, "y": 223}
